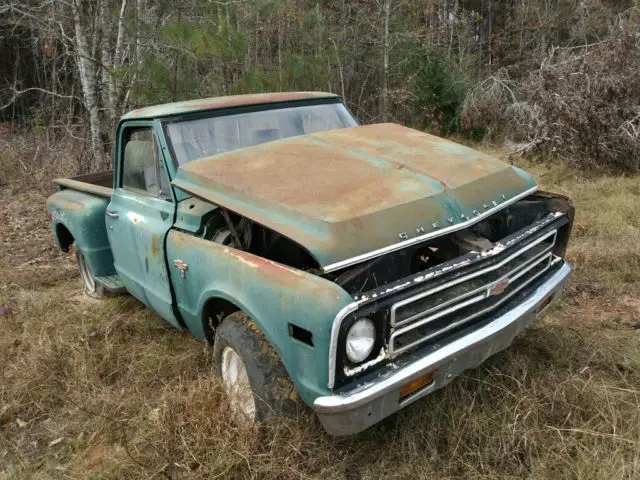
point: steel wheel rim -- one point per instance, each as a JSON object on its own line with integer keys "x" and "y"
{"x": 236, "y": 381}
{"x": 85, "y": 273}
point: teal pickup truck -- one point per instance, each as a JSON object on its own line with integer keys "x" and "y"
{"x": 357, "y": 268}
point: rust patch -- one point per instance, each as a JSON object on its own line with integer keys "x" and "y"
{"x": 66, "y": 203}
{"x": 447, "y": 162}
{"x": 267, "y": 269}
{"x": 378, "y": 184}
{"x": 84, "y": 187}
{"x": 230, "y": 101}
{"x": 155, "y": 246}
{"x": 253, "y": 99}
{"x": 344, "y": 174}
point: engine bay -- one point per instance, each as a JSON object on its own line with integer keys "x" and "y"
{"x": 230, "y": 229}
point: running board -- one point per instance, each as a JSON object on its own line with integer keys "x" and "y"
{"x": 111, "y": 283}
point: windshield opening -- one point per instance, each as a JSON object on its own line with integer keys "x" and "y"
{"x": 205, "y": 136}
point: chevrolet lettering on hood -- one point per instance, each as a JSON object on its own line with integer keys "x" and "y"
{"x": 435, "y": 225}
{"x": 352, "y": 268}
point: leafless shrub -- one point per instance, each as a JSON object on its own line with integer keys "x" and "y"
{"x": 581, "y": 104}
{"x": 525, "y": 124}
{"x": 34, "y": 158}
{"x": 484, "y": 105}
{"x": 590, "y": 101}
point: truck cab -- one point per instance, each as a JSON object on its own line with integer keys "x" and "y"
{"x": 351, "y": 268}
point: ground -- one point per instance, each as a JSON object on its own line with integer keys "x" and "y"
{"x": 105, "y": 389}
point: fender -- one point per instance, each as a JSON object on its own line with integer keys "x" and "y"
{"x": 272, "y": 294}
{"x": 79, "y": 217}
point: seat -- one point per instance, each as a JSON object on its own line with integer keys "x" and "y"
{"x": 139, "y": 166}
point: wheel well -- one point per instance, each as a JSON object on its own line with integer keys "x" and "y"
{"x": 215, "y": 310}
{"x": 65, "y": 239}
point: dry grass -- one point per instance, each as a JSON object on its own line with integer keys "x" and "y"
{"x": 94, "y": 389}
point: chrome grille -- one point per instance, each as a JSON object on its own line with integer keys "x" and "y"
{"x": 431, "y": 313}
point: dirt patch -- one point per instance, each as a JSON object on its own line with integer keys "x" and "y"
{"x": 27, "y": 249}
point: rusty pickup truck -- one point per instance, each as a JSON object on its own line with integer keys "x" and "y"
{"x": 357, "y": 268}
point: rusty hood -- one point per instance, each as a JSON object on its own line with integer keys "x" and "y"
{"x": 351, "y": 194}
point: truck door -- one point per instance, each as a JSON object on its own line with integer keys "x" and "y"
{"x": 140, "y": 214}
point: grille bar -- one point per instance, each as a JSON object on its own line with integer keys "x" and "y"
{"x": 534, "y": 259}
{"x": 396, "y": 306}
{"x": 484, "y": 291}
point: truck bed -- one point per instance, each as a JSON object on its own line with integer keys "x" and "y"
{"x": 99, "y": 184}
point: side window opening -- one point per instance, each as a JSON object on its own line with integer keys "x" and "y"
{"x": 142, "y": 170}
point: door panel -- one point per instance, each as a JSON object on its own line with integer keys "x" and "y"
{"x": 138, "y": 219}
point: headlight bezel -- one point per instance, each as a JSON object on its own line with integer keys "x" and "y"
{"x": 345, "y": 370}
{"x": 378, "y": 317}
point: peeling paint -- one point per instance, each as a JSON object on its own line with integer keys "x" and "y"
{"x": 155, "y": 246}
{"x": 135, "y": 218}
{"x": 241, "y": 258}
{"x": 349, "y": 372}
{"x": 499, "y": 247}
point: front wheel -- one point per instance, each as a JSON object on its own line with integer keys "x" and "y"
{"x": 91, "y": 287}
{"x": 254, "y": 378}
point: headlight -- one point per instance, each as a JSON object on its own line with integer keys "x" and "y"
{"x": 360, "y": 340}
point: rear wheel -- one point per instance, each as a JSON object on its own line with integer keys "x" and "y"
{"x": 255, "y": 380}
{"x": 91, "y": 287}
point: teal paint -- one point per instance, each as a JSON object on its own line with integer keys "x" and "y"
{"x": 191, "y": 213}
{"x": 151, "y": 233}
{"x": 82, "y": 214}
{"x": 272, "y": 294}
{"x": 137, "y": 237}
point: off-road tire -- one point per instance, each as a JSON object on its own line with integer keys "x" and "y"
{"x": 273, "y": 392}
{"x": 91, "y": 288}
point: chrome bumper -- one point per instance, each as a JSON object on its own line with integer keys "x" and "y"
{"x": 350, "y": 413}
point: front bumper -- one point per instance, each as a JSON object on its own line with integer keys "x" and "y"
{"x": 352, "y": 412}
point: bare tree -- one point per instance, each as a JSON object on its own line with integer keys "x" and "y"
{"x": 87, "y": 70}
{"x": 384, "y": 98}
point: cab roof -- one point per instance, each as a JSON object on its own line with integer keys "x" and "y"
{"x": 216, "y": 103}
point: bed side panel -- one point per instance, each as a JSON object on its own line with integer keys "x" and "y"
{"x": 83, "y": 215}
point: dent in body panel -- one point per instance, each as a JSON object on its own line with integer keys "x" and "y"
{"x": 272, "y": 294}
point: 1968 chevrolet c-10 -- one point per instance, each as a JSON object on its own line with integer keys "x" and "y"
{"x": 358, "y": 268}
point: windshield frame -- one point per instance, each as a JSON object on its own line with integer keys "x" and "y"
{"x": 223, "y": 112}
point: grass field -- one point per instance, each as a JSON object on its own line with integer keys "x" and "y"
{"x": 104, "y": 389}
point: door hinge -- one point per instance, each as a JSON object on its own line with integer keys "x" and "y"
{"x": 180, "y": 265}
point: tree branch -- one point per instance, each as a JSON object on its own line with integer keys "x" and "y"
{"x": 17, "y": 93}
